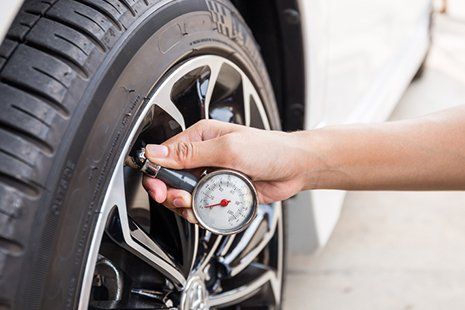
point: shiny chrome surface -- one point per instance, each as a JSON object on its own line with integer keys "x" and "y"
{"x": 195, "y": 295}
{"x": 206, "y": 269}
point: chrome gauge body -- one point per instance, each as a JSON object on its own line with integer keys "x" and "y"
{"x": 224, "y": 202}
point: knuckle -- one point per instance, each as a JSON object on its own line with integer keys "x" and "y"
{"x": 203, "y": 123}
{"x": 231, "y": 147}
{"x": 184, "y": 151}
{"x": 230, "y": 141}
{"x": 201, "y": 127}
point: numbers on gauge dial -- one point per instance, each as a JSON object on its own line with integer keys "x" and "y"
{"x": 224, "y": 202}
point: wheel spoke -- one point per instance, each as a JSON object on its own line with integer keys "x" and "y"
{"x": 253, "y": 240}
{"x": 189, "y": 237}
{"x": 163, "y": 100}
{"x": 248, "y": 91}
{"x": 246, "y": 290}
{"x": 226, "y": 245}
{"x": 205, "y": 257}
{"x": 245, "y": 263}
{"x": 215, "y": 68}
{"x": 196, "y": 246}
{"x": 126, "y": 233}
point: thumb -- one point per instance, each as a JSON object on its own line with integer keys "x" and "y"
{"x": 187, "y": 155}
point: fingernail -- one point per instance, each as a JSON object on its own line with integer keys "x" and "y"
{"x": 178, "y": 203}
{"x": 157, "y": 150}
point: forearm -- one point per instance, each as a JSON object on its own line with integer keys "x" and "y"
{"x": 419, "y": 154}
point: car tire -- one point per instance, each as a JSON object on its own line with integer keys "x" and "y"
{"x": 74, "y": 77}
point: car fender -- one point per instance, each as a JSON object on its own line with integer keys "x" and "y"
{"x": 8, "y": 11}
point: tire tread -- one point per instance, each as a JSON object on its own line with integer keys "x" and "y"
{"x": 46, "y": 61}
{"x": 51, "y": 49}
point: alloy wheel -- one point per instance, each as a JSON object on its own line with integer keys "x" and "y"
{"x": 144, "y": 256}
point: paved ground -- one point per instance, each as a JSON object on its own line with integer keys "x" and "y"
{"x": 397, "y": 250}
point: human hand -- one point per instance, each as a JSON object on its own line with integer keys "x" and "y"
{"x": 274, "y": 160}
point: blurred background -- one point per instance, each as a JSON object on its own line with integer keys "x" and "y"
{"x": 394, "y": 250}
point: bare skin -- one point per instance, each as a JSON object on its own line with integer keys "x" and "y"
{"x": 426, "y": 153}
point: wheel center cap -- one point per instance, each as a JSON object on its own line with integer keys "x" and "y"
{"x": 195, "y": 296}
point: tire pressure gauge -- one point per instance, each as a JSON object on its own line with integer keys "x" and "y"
{"x": 223, "y": 201}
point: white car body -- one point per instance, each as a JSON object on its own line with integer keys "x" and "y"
{"x": 360, "y": 56}
{"x": 8, "y": 10}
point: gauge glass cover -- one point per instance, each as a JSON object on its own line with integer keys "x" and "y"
{"x": 224, "y": 202}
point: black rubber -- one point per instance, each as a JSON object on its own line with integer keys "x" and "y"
{"x": 178, "y": 179}
{"x": 73, "y": 76}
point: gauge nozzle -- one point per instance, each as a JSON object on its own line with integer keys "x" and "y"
{"x": 136, "y": 160}
{"x": 174, "y": 178}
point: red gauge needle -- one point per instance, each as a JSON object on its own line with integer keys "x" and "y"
{"x": 222, "y": 203}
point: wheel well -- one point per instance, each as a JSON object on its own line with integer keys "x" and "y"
{"x": 276, "y": 27}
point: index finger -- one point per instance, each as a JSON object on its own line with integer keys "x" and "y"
{"x": 203, "y": 130}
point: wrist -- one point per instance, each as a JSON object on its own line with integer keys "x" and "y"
{"x": 304, "y": 160}
{"x": 317, "y": 160}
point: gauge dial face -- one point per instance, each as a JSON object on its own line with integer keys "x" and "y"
{"x": 224, "y": 202}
